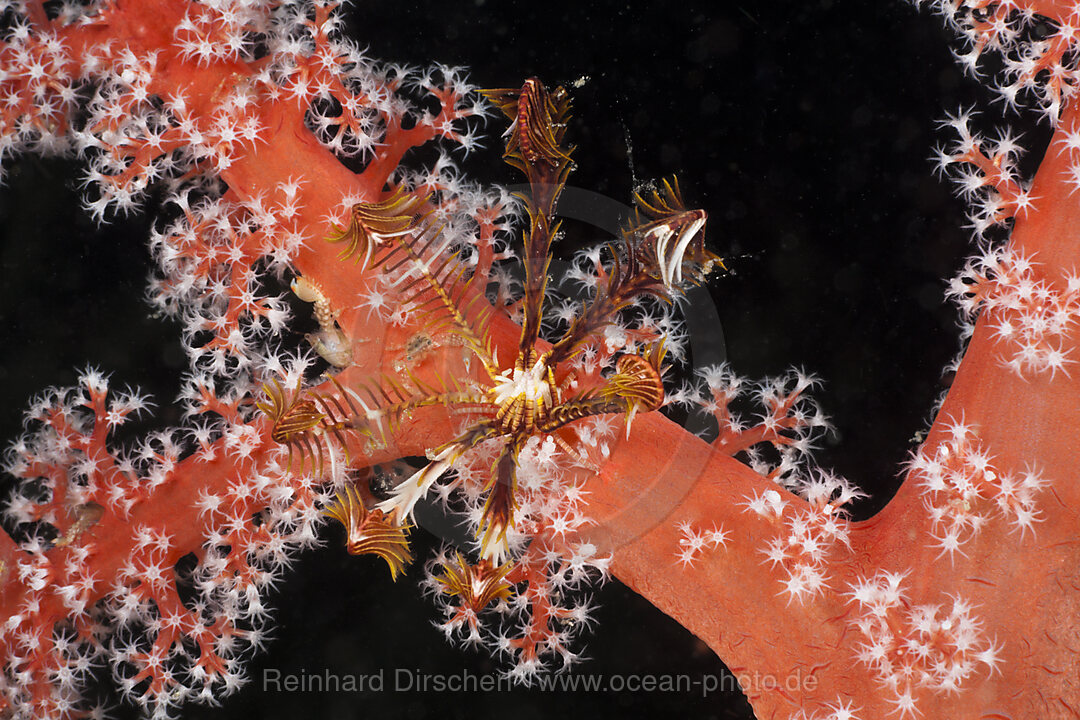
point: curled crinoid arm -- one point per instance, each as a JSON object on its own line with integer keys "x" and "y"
{"x": 303, "y": 421}
{"x": 638, "y": 382}
{"x": 465, "y": 590}
{"x": 294, "y": 420}
{"x": 373, "y": 224}
{"x": 371, "y": 532}
{"x": 666, "y": 238}
{"x": 636, "y": 386}
{"x": 476, "y": 586}
{"x": 538, "y": 123}
{"x": 662, "y": 242}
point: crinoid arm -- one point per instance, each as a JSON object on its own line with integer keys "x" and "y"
{"x": 501, "y": 502}
{"x": 379, "y": 405}
{"x": 538, "y": 123}
{"x": 638, "y": 382}
{"x": 474, "y": 586}
{"x": 371, "y": 532}
{"x": 664, "y": 241}
{"x": 375, "y": 224}
{"x": 431, "y": 283}
{"x": 637, "y": 385}
{"x": 535, "y": 146}
{"x": 403, "y": 498}
{"x": 305, "y": 422}
{"x": 296, "y": 422}
{"x": 666, "y": 238}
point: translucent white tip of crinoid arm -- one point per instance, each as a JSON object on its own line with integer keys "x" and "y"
{"x": 403, "y": 498}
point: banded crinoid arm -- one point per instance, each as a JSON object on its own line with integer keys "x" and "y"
{"x": 371, "y": 532}
{"x": 663, "y": 241}
{"x": 465, "y": 590}
{"x": 535, "y": 147}
{"x": 667, "y": 238}
{"x": 301, "y": 421}
{"x": 374, "y": 225}
{"x": 399, "y": 239}
{"x": 538, "y": 124}
{"x": 315, "y": 423}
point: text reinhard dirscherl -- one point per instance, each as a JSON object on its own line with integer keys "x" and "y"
{"x": 414, "y": 680}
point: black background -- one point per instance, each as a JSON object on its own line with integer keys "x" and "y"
{"x": 804, "y": 128}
